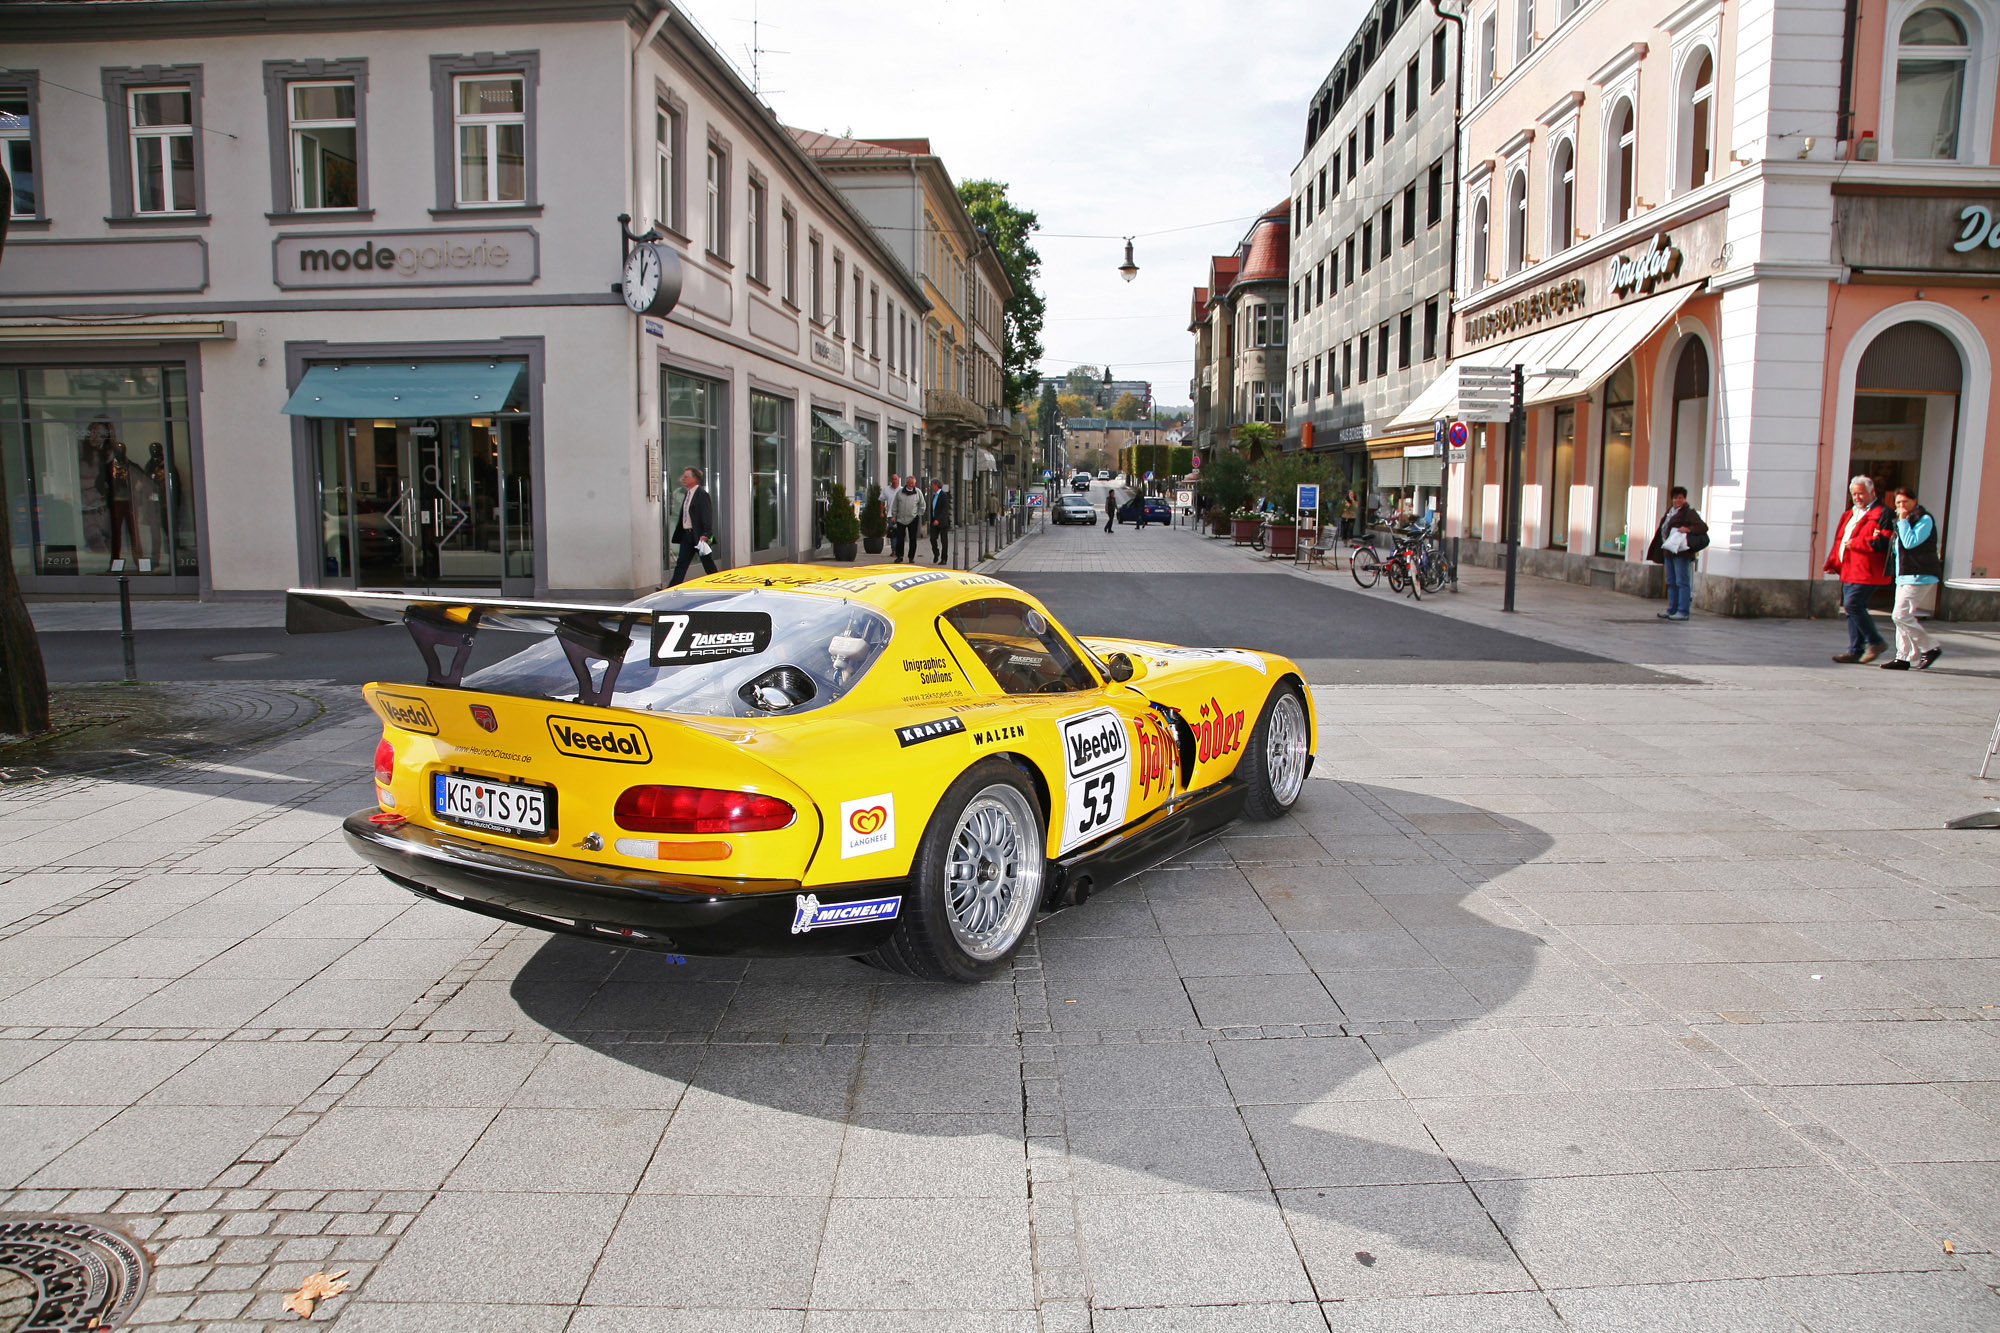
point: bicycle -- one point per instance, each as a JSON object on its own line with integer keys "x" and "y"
{"x": 1364, "y": 562}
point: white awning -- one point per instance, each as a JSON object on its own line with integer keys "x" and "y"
{"x": 840, "y": 426}
{"x": 1593, "y": 347}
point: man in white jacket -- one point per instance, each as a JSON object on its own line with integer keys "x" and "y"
{"x": 906, "y": 509}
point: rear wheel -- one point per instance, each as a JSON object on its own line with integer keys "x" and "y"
{"x": 1366, "y": 566}
{"x": 976, "y": 882}
{"x": 1274, "y": 763}
{"x": 1399, "y": 574}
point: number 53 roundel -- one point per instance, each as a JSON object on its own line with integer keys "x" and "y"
{"x": 1097, "y": 767}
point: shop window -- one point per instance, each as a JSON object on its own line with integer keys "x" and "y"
{"x": 1697, "y": 157}
{"x": 1517, "y": 222}
{"x": 1933, "y": 60}
{"x": 491, "y": 131}
{"x": 770, "y": 465}
{"x": 99, "y": 463}
{"x": 1614, "y": 467}
{"x": 1562, "y": 197}
{"x": 1480, "y": 236}
{"x": 19, "y": 91}
{"x": 162, "y": 149}
{"x": 1688, "y": 448}
{"x": 1619, "y": 164}
{"x": 1906, "y": 398}
{"x": 1562, "y": 475}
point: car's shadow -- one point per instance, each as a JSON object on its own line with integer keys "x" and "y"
{"x": 1260, "y": 1013}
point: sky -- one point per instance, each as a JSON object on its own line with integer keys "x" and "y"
{"x": 1106, "y": 118}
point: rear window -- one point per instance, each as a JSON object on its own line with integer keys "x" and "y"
{"x": 820, "y": 649}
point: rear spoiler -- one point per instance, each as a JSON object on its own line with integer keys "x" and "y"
{"x": 588, "y": 634}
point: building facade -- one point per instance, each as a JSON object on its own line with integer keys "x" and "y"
{"x": 1371, "y": 271}
{"x": 321, "y": 295}
{"x": 1737, "y": 247}
{"x": 1239, "y": 324}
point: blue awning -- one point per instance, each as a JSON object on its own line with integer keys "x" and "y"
{"x": 402, "y": 389}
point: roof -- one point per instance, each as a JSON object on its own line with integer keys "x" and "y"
{"x": 1221, "y": 275}
{"x": 1270, "y": 253}
{"x": 1200, "y": 302}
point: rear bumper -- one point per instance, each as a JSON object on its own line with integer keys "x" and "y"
{"x": 670, "y": 913}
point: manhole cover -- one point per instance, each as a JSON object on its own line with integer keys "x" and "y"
{"x": 59, "y": 1277}
{"x": 242, "y": 657}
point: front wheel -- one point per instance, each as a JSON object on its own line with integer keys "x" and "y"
{"x": 1365, "y": 565}
{"x": 1431, "y": 572}
{"x": 976, "y": 882}
{"x": 1257, "y": 542}
{"x": 1274, "y": 763}
{"x": 1399, "y": 576}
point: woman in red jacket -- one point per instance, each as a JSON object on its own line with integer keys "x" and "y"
{"x": 1857, "y": 555}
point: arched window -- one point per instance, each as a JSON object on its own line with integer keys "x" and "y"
{"x": 1697, "y": 165}
{"x": 1480, "y": 230}
{"x": 1614, "y": 462}
{"x": 1562, "y": 197}
{"x": 1517, "y": 222}
{"x": 1618, "y": 165}
{"x": 1687, "y": 459}
{"x": 1933, "y": 60}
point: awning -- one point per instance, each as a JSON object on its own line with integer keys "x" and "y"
{"x": 1593, "y": 347}
{"x": 425, "y": 389}
{"x": 839, "y": 425}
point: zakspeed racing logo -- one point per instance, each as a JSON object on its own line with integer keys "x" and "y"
{"x": 867, "y": 825}
{"x": 400, "y": 710}
{"x": 811, "y": 912}
{"x": 1159, "y": 759}
{"x": 1218, "y": 733}
{"x": 584, "y": 738}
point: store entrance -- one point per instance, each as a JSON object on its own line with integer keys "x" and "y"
{"x": 428, "y": 503}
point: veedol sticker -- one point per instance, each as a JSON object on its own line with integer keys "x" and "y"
{"x": 1096, "y": 762}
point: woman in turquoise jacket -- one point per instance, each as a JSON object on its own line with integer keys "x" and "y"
{"x": 1913, "y": 560}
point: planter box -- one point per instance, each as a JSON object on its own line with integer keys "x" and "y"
{"x": 1284, "y": 540}
{"x": 1242, "y": 531}
{"x": 1219, "y": 525}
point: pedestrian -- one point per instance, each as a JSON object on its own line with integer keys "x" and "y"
{"x": 1857, "y": 556}
{"x": 940, "y": 520}
{"x": 694, "y": 532}
{"x": 906, "y": 511}
{"x": 1110, "y": 508}
{"x": 1914, "y": 563}
{"x": 1680, "y": 536}
{"x": 1139, "y": 502}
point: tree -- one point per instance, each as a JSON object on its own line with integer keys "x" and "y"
{"x": 1278, "y": 477}
{"x": 1084, "y": 381}
{"x": 1071, "y": 405}
{"x": 24, "y": 680}
{"x": 1048, "y": 412}
{"x": 1252, "y": 436}
{"x": 1225, "y": 479}
{"x": 1008, "y": 228}
{"x": 1129, "y": 407}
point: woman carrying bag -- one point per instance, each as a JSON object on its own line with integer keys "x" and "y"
{"x": 1679, "y": 538}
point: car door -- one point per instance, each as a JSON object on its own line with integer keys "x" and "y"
{"x": 1105, "y": 752}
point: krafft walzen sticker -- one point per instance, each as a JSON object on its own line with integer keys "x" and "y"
{"x": 1096, "y": 769}
{"x": 919, "y": 732}
{"x": 867, "y": 825}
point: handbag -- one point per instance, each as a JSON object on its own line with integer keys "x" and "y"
{"x": 1676, "y": 543}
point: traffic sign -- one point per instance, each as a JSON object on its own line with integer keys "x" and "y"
{"x": 1309, "y": 497}
{"x": 1457, "y": 435}
{"x": 1485, "y": 393}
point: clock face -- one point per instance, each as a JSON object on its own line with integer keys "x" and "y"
{"x": 642, "y": 278}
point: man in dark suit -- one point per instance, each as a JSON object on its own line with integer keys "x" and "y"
{"x": 940, "y": 520}
{"x": 694, "y": 528}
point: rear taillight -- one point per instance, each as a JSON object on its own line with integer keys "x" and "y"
{"x": 385, "y": 761}
{"x": 700, "y": 810}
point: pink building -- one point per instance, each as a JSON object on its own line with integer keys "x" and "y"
{"x": 1762, "y": 236}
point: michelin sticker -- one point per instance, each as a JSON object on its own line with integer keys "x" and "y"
{"x": 867, "y": 825}
{"x": 813, "y": 914}
{"x": 1096, "y": 766}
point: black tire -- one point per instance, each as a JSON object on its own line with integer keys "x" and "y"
{"x": 1257, "y": 542}
{"x": 1399, "y": 574}
{"x": 936, "y": 940}
{"x": 1366, "y": 566}
{"x": 1274, "y": 762}
{"x": 1431, "y": 572}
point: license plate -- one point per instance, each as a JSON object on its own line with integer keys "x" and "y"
{"x": 483, "y": 803}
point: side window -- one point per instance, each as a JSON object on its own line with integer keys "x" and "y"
{"x": 1018, "y": 645}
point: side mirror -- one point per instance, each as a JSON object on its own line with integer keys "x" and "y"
{"x": 1121, "y": 667}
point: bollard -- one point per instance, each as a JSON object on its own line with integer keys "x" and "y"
{"x": 125, "y": 630}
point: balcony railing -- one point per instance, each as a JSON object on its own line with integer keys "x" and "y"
{"x": 949, "y": 405}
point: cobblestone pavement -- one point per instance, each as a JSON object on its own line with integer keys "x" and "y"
{"x": 1592, "y": 1007}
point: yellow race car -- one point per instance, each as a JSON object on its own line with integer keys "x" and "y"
{"x": 899, "y": 764}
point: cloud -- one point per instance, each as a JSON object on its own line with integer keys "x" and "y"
{"x": 1110, "y": 119}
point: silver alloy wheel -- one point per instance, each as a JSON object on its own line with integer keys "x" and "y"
{"x": 992, "y": 872}
{"x": 1285, "y": 748}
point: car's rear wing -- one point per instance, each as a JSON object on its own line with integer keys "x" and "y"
{"x": 595, "y": 639}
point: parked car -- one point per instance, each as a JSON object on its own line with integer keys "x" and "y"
{"x": 1075, "y": 509}
{"x": 1104, "y": 475}
{"x": 1157, "y": 510}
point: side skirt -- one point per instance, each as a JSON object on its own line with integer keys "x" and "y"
{"x": 1196, "y": 817}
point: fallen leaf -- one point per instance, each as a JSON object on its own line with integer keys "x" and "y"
{"x": 318, "y": 1287}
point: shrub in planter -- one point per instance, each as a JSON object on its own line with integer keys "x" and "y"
{"x": 842, "y": 529}
{"x": 874, "y": 521}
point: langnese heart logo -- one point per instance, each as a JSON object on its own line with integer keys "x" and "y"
{"x": 867, "y": 821}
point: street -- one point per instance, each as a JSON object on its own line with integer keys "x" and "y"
{"x": 1613, "y": 988}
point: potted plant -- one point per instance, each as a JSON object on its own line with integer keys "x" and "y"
{"x": 1225, "y": 480}
{"x": 1243, "y": 525}
{"x": 1279, "y": 477}
{"x": 874, "y": 521}
{"x": 842, "y": 528}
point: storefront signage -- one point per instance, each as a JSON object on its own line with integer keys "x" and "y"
{"x": 1657, "y": 263}
{"x": 1898, "y": 233}
{"x": 1687, "y": 253}
{"x": 1976, "y": 229}
{"x": 826, "y": 354}
{"x": 407, "y": 258}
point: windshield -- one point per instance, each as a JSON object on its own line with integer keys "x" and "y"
{"x": 820, "y": 648}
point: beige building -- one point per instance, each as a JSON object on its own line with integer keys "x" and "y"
{"x": 315, "y": 295}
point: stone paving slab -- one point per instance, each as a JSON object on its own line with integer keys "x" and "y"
{"x": 1560, "y": 1006}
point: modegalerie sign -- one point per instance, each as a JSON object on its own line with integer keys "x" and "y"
{"x": 407, "y": 258}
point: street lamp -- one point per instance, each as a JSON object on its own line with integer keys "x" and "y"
{"x": 1129, "y": 269}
